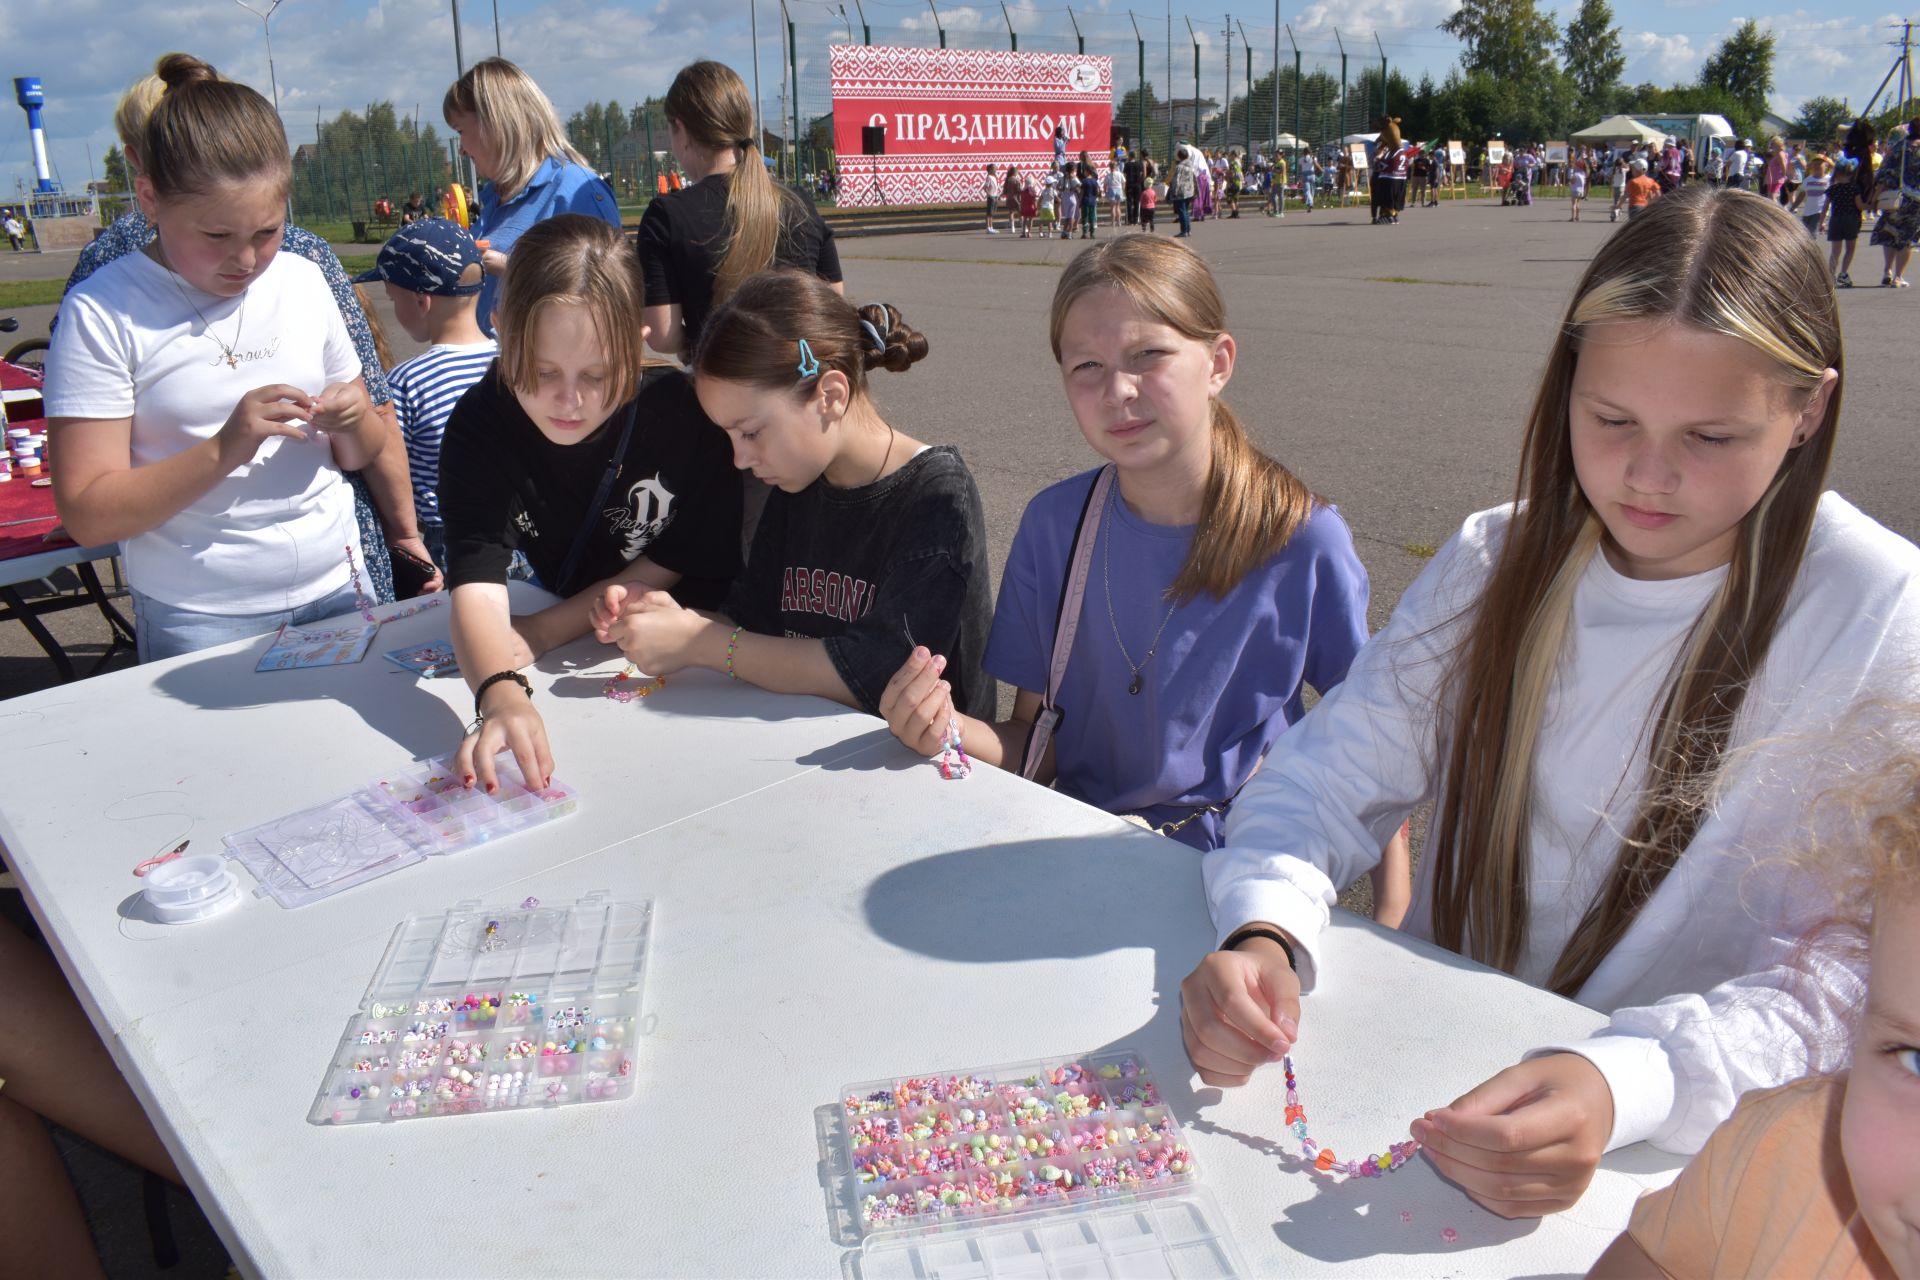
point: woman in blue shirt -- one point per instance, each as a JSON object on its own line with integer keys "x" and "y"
{"x": 528, "y": 170}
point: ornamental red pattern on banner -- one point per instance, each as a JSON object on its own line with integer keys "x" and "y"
{"x": 950, "y": 112}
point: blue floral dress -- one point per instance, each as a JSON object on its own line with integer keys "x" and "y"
{"x": 1899, "y": 229}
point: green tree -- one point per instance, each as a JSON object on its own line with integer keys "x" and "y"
{"x": 1743, "y": 67}
{"x": 116, "y": 169}
{"x": 1127, "y": 115}
{"x": 1690, "y": 100}
{"x": 1590, "y": 52}
{"x": 1822, "y": 119}
{"x": 1508, "y": 39}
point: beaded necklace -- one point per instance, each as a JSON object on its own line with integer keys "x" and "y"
{"x": 616, "y": 689}
{"x": 365, "y": 605}
{"x": 1323, "y": 1158}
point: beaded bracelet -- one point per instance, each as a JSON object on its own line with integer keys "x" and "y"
{"x": 360, "y": 601}
{"x": 1323, "y": 1158}
{"x": 954, "y": 764}
{"x": 733, "y": 644}
{"x": 616, "y": 690}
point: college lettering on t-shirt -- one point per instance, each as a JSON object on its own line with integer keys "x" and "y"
{"x": 836, "y": 595}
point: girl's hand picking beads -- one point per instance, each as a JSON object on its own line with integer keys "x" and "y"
{"x": 1240, "y": 1010}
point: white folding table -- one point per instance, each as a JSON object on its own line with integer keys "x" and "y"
{"x": 829, "y": 910}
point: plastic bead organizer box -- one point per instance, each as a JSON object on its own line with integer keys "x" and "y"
{"x": 1053, "y": 1168}
{"x": 494, "y": 1009}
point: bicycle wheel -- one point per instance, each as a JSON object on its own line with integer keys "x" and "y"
{"x": 31, "y": 354}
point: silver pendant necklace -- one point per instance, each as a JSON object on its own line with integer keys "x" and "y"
{"x": 206, "y": 328}
{"x": 1106, "y": 581}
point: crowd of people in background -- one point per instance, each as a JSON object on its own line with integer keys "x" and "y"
{"x": 1831, "y": 187}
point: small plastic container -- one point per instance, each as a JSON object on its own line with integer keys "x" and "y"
{"x": 495, "y": 1009}
{"x": 186, "y": 890}
{"x": 413, "y": 813}
{"x": 1070, "y": 1167}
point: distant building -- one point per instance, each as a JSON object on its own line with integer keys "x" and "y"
{"x": 1188, "y": 114}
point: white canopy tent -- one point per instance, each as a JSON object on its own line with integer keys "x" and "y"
{"x": 1619, "y": 129}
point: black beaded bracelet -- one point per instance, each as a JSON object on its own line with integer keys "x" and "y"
{"x": 495, "y": 679}
{"x": 1241, "y": 935}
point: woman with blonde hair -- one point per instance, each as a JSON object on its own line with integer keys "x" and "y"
{"x": 1587, "y": 684}
{"x": 528, "y": 170}
{"x": 732, "y": 220}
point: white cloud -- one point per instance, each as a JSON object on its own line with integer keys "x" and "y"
{"x": 1660, "y": 59}
{"x": 340, "y": 56}
{"x": 1839, "y": 57}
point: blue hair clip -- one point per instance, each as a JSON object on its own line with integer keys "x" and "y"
{"x": 808, "y": 365}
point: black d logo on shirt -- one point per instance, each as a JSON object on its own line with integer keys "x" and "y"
{"x": 648, "y": 510}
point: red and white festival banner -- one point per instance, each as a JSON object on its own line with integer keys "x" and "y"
{"x": 950, "y": 112}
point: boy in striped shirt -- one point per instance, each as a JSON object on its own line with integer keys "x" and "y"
{"x": 432, "y": 273}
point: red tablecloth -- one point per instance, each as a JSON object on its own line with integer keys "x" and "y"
{"x": 19, "y": 500}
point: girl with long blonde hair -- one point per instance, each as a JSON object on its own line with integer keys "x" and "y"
{"x": 1568, "y": 683}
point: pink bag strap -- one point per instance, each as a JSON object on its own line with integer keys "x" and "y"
{"x": 1066, "y": 623}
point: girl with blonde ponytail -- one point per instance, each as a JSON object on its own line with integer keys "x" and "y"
{"x": 1589, "y": 685}
{"x": 698, "y": 244}
{"x": 1217, "y": 585}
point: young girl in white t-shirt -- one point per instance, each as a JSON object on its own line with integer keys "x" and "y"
{"x": 1592, "y": 686}
{"x": 203, "y": 395}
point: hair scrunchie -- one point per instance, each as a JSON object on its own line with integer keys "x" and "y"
{"x": 874, "y": 336}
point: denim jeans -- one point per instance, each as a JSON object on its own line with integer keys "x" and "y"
{"x": 165, "y": 631}
{"x": 1183, "y": 209}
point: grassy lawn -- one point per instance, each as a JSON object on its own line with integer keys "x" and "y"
{"x": 15, "y": 294}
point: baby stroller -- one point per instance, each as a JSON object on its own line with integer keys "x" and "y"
{"x": 1520, "y": 190}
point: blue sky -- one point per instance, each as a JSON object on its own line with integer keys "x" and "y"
{"x": 334, "y": 54}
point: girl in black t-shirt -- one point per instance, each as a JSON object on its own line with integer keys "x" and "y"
{"x": 732, "y": 220}
{"x": 560, "y": 453}
{"x": 872, "y": 542}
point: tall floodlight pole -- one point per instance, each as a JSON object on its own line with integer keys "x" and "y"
{"x": 1296, "y": 91}
{"x": 1169, "y": 81}
{"x": 459, "y": 54}
{"x": 1140, "y": 95}
{"x": 1276, "y": 74}
{"x": 753, "y": 28}
{"x": 1226, "y": 82}
{"x": 1196, "y": 80}
{"x": 793, "y": 78}
{"x": 866, "y": 32}
{"x": 1248, "y": 82}
{"x": 849, "y": 21}
{"x": 1080, "y": 39}
{"x": 1343, "y": 84}
{"x": 266, "y": 19}
{"x": 936, "y": 24}
{"x": 1383, "y": 74}
{"x": 496, "y": 30}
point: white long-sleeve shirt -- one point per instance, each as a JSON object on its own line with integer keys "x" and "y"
{"x": 1709, "y": 991}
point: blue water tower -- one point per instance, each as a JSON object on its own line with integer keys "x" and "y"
{"x": 27, "y": 92}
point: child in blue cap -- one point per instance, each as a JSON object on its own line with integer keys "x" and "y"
{"x": 433, "y": 275}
